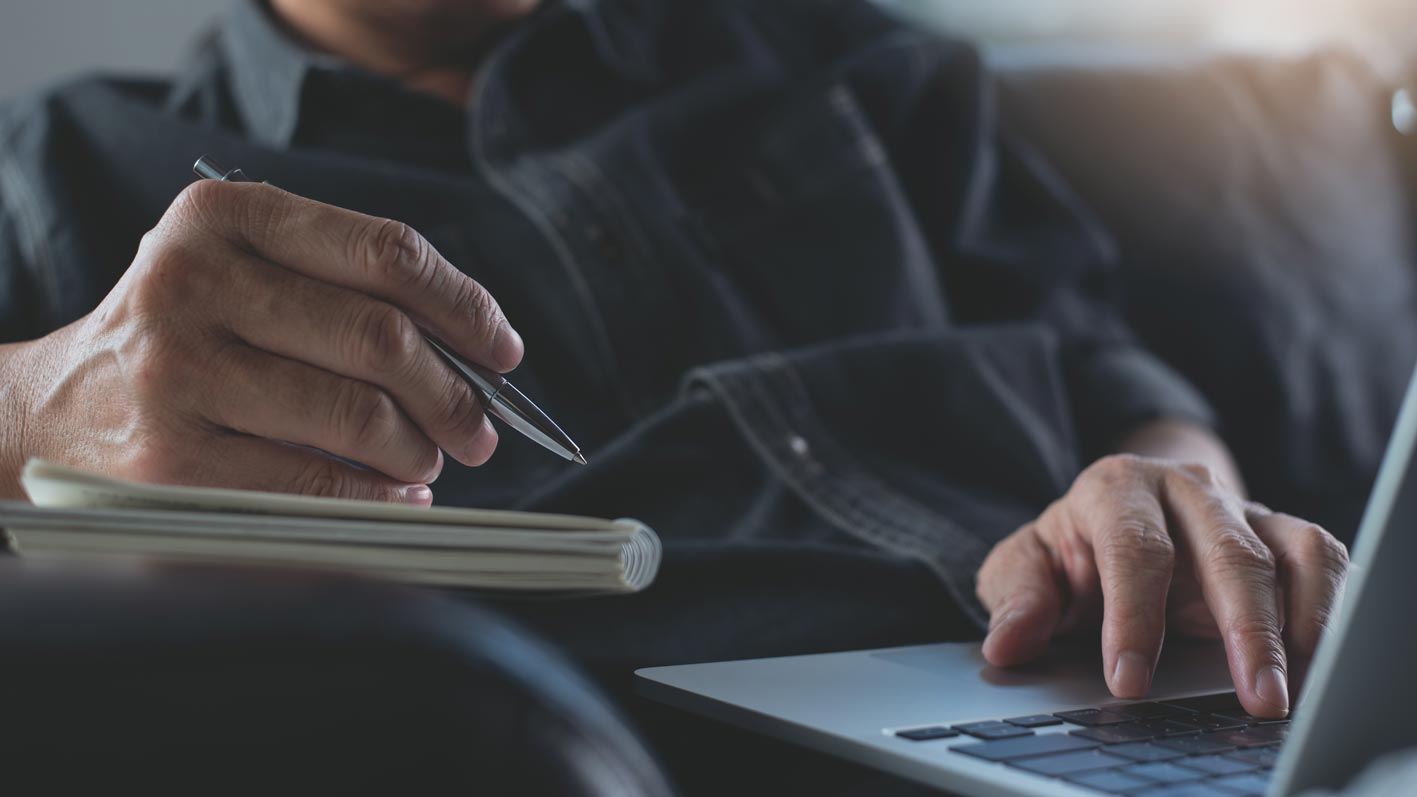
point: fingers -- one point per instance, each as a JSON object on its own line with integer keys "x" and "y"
{"x": 1312, "y": 567}
{"x": 379, "y": 257}
{"x": 251, "y": 463}
{"x": 1134, "y": 519}
{"x": 1135, "y": 556}
{"x": 1019, "y": 586}
{"x": 349, "y": 333}
{"x": 260, "y": 394}
{"x": 1236, "y": 572}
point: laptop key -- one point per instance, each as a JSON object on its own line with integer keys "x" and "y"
{"x": 1092, "y": 717}
{"x": 1263, "y": 757}
{"x": 1208, "y": 704}
{"x": 1034, "y": 721}
{"x": 1249, "y": 737}
{"x": 992, "y": 730}
{"x": 1026, "y": 747}
{"x": 1064, "y": 764}
{"x": 1251, "y": 783}
{"x": 1196, "y": 745}
{"x": 1243, "y": 718}
{"x": 1171, "y": 727}
{"x": 1163, "y": 772}
{"x": 1212, "y": 722}
{"x": 1275, "y": 733}
{"x": 1109, "y": 780}
{"x": 1116, "y": 734}
{"x": 1142, "y": 751}
{"x": 1199, "y": 788}
{"x": 1146, "y": 711}
{"x": 927, "y": 734}
{"x": 966, "y": 726}
{"x": 1216, "y": 764}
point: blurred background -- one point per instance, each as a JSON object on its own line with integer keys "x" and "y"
{"x": 41, "y": 40}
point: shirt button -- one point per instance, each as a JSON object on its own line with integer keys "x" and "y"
{"x": 799, "y": 445}
{"x": 1404, "y": 113}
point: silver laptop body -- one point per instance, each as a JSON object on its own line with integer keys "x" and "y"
{"x": 1359, "y": 702}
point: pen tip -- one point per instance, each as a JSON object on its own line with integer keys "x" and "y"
{"x": 579, "y": 458}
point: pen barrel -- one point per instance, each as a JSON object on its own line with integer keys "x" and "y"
{"x": 208, "y": 169}
{"x": 500, "y": 398}
{"x": 509, "y": 405}
{"x": 513, "y": 408}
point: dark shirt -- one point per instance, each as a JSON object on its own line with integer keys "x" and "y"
{"x": 809, "y": 312}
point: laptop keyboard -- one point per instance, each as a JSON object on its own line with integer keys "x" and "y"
{"x": 1193, "y": 747}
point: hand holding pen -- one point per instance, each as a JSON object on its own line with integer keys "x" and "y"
{"x": 499, "y": 397}
{"x": 257, "y": 333}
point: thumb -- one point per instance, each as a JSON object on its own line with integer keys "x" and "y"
{"x": 1019, "y": 587}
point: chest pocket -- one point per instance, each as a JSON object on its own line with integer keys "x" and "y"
{"x": 809, "y": 221}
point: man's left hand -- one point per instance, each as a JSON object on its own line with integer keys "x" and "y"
{"x": 1151, "y": 542}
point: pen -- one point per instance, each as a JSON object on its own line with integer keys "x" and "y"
{"x": 501, "y": 399}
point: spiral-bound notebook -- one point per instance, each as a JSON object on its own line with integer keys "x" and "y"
{"x": 80, "y": 514}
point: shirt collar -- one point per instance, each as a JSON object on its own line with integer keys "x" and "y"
{"x": 623, "y": 31}
{"x": 269, "y": 66}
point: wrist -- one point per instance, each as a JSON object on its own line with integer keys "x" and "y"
{"x": 1184, "y": 441}
{"x": 17, "y": 427}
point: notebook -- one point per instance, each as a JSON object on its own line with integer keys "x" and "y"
{"x": 80, "y": 514}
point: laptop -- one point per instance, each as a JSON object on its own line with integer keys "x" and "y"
{"x": 939, "y": 714}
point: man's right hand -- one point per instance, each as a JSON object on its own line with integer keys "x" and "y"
{"x": 255, "y": 331}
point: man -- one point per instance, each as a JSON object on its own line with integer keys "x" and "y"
{"x": 842, "y": 342}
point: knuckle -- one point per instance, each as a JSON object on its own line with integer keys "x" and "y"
{"x": 1114, "y": 468}
{"x": 1139, "y": 546}
{"x": 170, "y": 279}
{"x": 1262, "y": 631}
{"x": 1110, "y": 477}
{"x": 1318, "y": 549}
{"x": 1233, "y": 550}
{"x": 152, "y": 241}
{"x": 155, "y": 459}
{"x": 385, "y": 339}
{"x": 457, "y": 408}
{"x": 364, "y": 416}
{"x": 323, "y": 477}
{"x": 200, "y": 199}
{"x": 393, "y": 253}
{"x": 213, "y": 204}
{"x": 477, "y": 303}
{"x": 1198, "y": 472}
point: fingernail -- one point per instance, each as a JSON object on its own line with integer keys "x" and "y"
{"x": 417, "y": 494}
{"x": 507, "y": 347}
{"x": 1001, "y": 619}
{"x": 437, "y": 469}
{"x": 1131, "y": 676}
{"x": 1272, "y": 687}
{"x": 997, "y": 622}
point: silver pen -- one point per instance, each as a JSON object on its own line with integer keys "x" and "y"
{"x": 499, "y": 397}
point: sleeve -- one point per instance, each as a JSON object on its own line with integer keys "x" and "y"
{"x": 1012, "y": 243}
{"x": 22, "y": 309}
{"x": 1028, "y": 250}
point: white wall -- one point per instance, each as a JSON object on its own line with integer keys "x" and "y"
{"x": 41, "y": 40}
{"x": 1384, "y": 31}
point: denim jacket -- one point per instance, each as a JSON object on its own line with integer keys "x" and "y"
{"x": 778, "y": 270}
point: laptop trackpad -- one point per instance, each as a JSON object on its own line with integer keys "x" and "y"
{"x": 861, "y": 692}
{"x": 1070, "y": 673}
